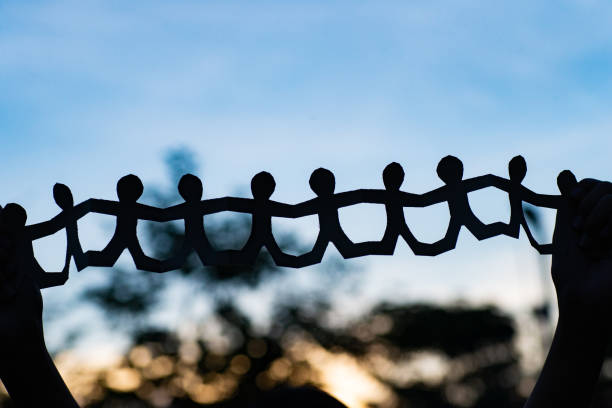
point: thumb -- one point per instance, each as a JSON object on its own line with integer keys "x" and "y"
{"x": 562, "y": 237}
{"x": 565, "y": 238}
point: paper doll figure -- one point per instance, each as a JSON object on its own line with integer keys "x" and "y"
{"x": 65, "y": 219}
{"x": 127, "y": 211}
{"x": 26, "y": 369}
{"x": 326, "y": 205}
{"x": 262, "y": 208}
{"x": 395, "y": 200}
{"x": 193, "y": 210}
{"x": 455, "y": 192}
{"x": 517, "y": 194}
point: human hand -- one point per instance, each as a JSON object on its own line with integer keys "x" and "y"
{"x": 582, "y": 261}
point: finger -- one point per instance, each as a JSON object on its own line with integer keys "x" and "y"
{"x": 583, "y": 188}
{"x": 564, "y": 237}
{"x": 599, "y": 217}
{"x": 578, "y": 193}
{"x": 592, "y": 198}
{"x": 567, "y": 254}
{"x": 606, "y": 231}
{"x": 600, "y": 248}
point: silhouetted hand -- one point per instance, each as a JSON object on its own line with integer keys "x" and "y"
{"x": 582, "y": 274}
{"x": 582, "y": 265}
{"x": 26, "y": 369}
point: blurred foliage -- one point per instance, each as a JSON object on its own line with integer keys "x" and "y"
{"x": 162, "y": 370}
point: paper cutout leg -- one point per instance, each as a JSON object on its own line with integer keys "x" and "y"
{"x": 109, "y": 255}
{"x": 484, "y": 231}
{"x": 74, "y": 247}
{"x": 205, "y": 252}
{"x": 315, "y": 255}
{"x": 280, "y": 258}
{"x": 543, "y": 249}
{"x": 396, "y": 227}
{"x": 347, "y": 248}
{"x": 476, "y": 227}
{"x": 178, "y": 260}
{"x": 423, "y": 248}
{"x": 393, "y": 177}
{"x": 144, "y": 262}
{"x": 248, "y": 254}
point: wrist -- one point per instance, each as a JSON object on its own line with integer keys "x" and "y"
{"x": 583, "y": 326}
{"x": 585, "y": 312}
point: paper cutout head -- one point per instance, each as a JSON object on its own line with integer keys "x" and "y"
{"x": 129, "y": 188}
{"x": 63, "y": 196}
{"x": 450, "y": 170}
{"x": 393, "y": 176}
{"x": 517, "y": 169}
{"x": 262, "y": 185}
{"x": 190, "y": 188}
{"x": 322, "y": 182}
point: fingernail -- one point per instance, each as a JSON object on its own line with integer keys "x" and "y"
{"x": 578, "y": 222}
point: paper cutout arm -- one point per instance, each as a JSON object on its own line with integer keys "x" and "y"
{"x": 360, "y": 196}
{"x": 282, "y": 210}
{"x": 313, "y": 206}
{"x": 107, "y": 207}
{"x": 178, "y": 212}
{"x": 150, "y": 213}
{"x": 475, "y": 183}
{"x": 235, "y": 204}
{"x": 344, "y": 199}
{"x": 412, "y": 200}
{"x": 46, "y": 228}
{"x": 540, "y": 200}
{"x": 305, "y": 208}
{"x": 436, "y": 196}
{"x": 175, "y": 212}
{"x": 50, "y": 227}
{"x": 143, "y": 211}
{"x": 488, "y": 180}
{"x": 244, "y": 205}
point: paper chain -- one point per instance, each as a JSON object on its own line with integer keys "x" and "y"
{"x": 326, "y": 204}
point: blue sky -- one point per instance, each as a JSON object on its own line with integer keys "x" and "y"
{"x": 90, "y": 91}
